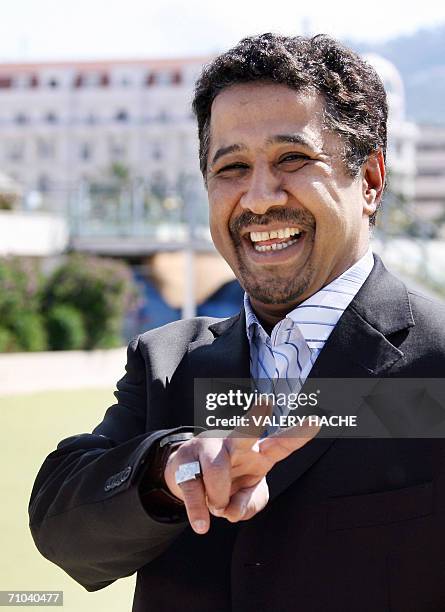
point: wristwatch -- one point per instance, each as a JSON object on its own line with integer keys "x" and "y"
{"x": 156, "y": 498}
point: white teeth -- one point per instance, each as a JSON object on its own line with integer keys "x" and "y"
{"x": 276, "y": 246}
{"x": 285, "y": 232}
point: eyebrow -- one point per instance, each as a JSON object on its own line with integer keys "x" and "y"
{"x": 226, "y": 150}
{"x": 290, "y": 138}
{"x": 278, "y": 139}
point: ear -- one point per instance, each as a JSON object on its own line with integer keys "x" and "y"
{"x": 373, "y": 182}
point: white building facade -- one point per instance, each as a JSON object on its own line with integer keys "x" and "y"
{"x": 430, "y": 178}
{"x": 64, "y": 123}
{"x": 402, "y": 134}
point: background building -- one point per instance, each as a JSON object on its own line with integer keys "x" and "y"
{"x": 430, "y": 178}
{"x": 402, "y": 134}
{"x": 63, "y": 124}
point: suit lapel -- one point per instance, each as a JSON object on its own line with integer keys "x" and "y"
{"x": 223, "y": 353}
{"x": 360, "y": 344}
{"x": 359, "y": 347}
{"x": 228, "y": 354}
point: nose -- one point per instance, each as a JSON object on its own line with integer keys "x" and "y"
{"x": 263, "y": 191}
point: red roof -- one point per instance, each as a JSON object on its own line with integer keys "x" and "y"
{"x": 96, "y": 65}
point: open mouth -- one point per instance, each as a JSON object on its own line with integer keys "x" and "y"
{"x": 275, "y": 240}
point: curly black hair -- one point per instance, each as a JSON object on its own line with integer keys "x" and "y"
{"x": 353, "y": 93}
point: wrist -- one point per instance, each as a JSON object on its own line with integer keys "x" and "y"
{"x": 169, "y": 474}
{"x": 156, "y": 495}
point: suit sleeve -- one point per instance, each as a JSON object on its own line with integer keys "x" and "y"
{"x": 86, "y": 513}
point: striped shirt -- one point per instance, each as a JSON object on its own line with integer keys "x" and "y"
{"x": 296, "y": 341}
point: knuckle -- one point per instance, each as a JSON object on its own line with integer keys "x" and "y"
{"x": 191, "y": 489}
{"x": 232, "y": 519}
{"x": 184, "y": 453}
{"x": 229, "y": 515}
{"x": 216, "y": 467}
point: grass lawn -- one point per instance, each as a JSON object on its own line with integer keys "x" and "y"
{"x": 31, "y": 427}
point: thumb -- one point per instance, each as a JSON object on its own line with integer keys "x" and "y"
{"x": 282, "y": 443}
{"x": 245, "y": 503}
{"x": 244, "y": 437}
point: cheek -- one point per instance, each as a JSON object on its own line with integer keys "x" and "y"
{"x": 221, "y": 209}
{"x": 219, "y": 225}
{"x": 329, "y": 202}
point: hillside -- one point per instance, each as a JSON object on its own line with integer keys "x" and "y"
{"x": 420, "y": 58}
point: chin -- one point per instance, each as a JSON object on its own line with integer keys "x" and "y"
{"x": 279, "y": 291}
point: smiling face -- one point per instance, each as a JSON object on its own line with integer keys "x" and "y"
{"x": 284, "y": 212}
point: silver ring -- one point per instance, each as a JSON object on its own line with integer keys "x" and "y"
{"x": 187, "y": 471}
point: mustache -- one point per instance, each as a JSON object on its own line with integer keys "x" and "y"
{"x": 300, "y": 217}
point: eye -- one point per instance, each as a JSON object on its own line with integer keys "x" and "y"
{"x": 293, "y": 157}
{"x": 232, "y": 167}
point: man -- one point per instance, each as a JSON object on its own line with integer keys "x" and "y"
{"x": 292, "y": 149}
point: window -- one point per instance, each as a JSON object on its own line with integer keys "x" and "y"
{"x": 431, "y": 146}
{"x": 150, "y": 79}
{"x": 431, "y": 172}
{"x": 5, "y": 82}
{"x": 43, "y": 183}
{"x": 21, "y": 119}
{"x": 90, "y": 79}
{"x": 122, "y": 116}
{"x": 155, "y": 151}
{"x": 85, "y": 152}
{"x": 78, "y": 81}
{"x": 16, "y": 151}
{"x": 51, "y": 118}
{"x": 163, "y": 116}
{"x": 117, "y": 149}
{"x": 91, "y": 119}
{"x": 45, "y": 148}
{"x": 176, "y": 77}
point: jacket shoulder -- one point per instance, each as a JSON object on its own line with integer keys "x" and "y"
{"x": 163, "y": 348}
{"x": 428, "y": 314}
{"x": 424, "y": 346}
{"x": 183, "y": 331}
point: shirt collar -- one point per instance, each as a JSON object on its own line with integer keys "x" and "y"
{"x": 339, "y": 293}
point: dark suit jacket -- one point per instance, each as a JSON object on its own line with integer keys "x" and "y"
{"x": 353, "y": 525}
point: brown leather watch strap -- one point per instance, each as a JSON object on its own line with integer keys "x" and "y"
{"x": 157, "y": 500}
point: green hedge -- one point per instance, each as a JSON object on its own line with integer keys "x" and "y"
{"x": 22, "y": 325}
{"x": 66, "y": 328}
{"x": 80, "y": 305}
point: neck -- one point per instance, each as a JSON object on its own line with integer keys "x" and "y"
{"x": 270, "y": 314}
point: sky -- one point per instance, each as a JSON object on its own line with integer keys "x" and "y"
{"x": 33, "y": 30}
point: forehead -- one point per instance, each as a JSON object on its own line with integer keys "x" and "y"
{"x": 256, "y": 111}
